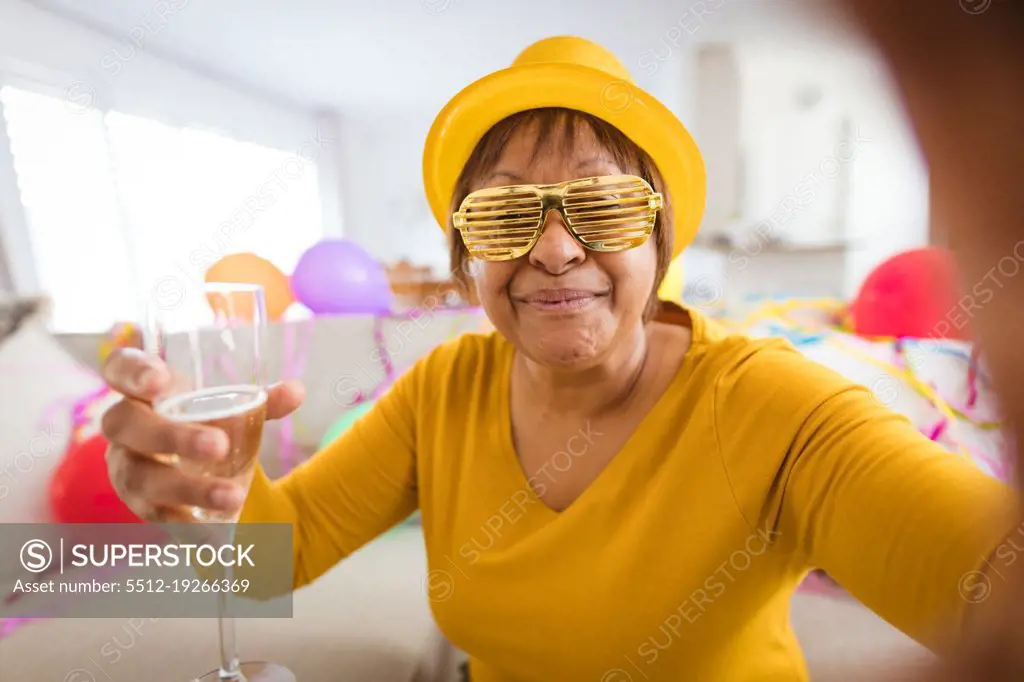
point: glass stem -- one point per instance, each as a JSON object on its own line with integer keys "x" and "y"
{"x": 229, "y": 666}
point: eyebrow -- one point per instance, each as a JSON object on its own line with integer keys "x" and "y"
{"x": 585, "y": 163}
{"x": 591, "y": 161}
{"x": 508, "y": 174}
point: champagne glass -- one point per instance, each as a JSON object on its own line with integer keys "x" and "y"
{"x": 213, "y": 348}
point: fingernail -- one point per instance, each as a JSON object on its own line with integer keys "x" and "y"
{"x": 226, "y": 497}
{"x": 213, "y": 443}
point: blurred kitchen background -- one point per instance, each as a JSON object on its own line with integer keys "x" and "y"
{"x": 144, "y": 139}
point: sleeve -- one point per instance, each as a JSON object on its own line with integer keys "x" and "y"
{"x": 350, "y": 492}
{"x": 851, "y": 487}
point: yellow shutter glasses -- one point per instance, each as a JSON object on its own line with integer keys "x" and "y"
{"x": 607, "y": 213}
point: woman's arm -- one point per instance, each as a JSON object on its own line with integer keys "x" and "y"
{"x": 852, "y": 488}
{"x": 351, "y": 492}
{"x": 960, "y": 67}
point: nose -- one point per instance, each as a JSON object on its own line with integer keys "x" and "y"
{"x": 556, "y": 251}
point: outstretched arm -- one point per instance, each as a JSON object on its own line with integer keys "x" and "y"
{"x": 851, "y": 487}
{"x": 960, "y": 66}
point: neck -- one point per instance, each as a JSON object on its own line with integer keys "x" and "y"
{"x": 593, "y": 391}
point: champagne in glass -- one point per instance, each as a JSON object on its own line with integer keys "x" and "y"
{"x": 213, "y": 348}
{"x": 239, "y": 411}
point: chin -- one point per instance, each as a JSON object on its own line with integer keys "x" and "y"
{"x": 566, "y": 347}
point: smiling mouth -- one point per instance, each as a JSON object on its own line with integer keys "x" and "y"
{"x": 560, "y": 299}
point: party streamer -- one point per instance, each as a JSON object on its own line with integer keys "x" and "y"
{"x": 295, "y": 353}
{"x": 284, "y": 433}
{"x": 922, "y": 388}
{"x": 8, "y": 626}
{"x": 961, "y": 413}
{"x": 384, "y": 357}
{"x": 780, "y": 320}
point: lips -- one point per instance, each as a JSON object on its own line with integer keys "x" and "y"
{"x": 558, "y": 295}
{"x": 560, "y": 299}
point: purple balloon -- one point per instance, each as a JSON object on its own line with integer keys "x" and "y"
{"x": 339, "y": 276}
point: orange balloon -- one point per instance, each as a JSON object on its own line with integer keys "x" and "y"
{"x": 248, "y": 268}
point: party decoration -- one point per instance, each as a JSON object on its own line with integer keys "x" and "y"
{"x": 87, "y": 411}
{"x": 80, "y": 489}
{"x": 671, "y": 288}
{"x": 248, "y": 268}
{"x": 121, "y": 335}
{"x": 9, "y": 626}
{"x": 345, "y": 422}
{"x": 939, "y": 384}
{"x": 339, "y": 276}
{"x": 295, "y": 352}
{"x": 913, "y": 294}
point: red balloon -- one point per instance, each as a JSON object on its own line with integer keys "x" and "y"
{"x": 80, "y": 489}
{"x": 915, "y": 293}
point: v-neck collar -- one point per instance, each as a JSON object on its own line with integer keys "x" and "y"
{"x": 622, "y": 459}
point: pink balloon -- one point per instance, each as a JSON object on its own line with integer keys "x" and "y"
{"x": 339, "y": 276}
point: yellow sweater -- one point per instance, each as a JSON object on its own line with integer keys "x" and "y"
{"x": 679, "y": 561}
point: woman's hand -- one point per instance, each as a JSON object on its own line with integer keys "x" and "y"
{"x": 143, "y": 445}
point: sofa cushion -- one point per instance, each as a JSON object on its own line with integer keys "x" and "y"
{"x": 38, "y": 383}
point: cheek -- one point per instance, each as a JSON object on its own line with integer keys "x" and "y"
{"x": 492, "y": 279}
{"x": 631, "y": 273}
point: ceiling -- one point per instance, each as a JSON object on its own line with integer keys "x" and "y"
{"x": 358, "y": 55}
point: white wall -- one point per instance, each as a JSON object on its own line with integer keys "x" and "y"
{"x": 385, "y": 206}
{"x": 846, "y": 171}
{"x": 889, "y": 193}
{"x": 717, "y": 128}
{"x": 785, "y": 145}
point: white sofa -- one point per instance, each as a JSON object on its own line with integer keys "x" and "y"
{"x": 367, "y": 619}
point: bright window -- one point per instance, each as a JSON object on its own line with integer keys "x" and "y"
{"x": 121, "y": 208}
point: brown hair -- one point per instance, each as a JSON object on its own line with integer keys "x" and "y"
{"x": 627, "y": 155}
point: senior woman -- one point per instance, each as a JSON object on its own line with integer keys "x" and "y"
{"x": 611, "y": 488}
